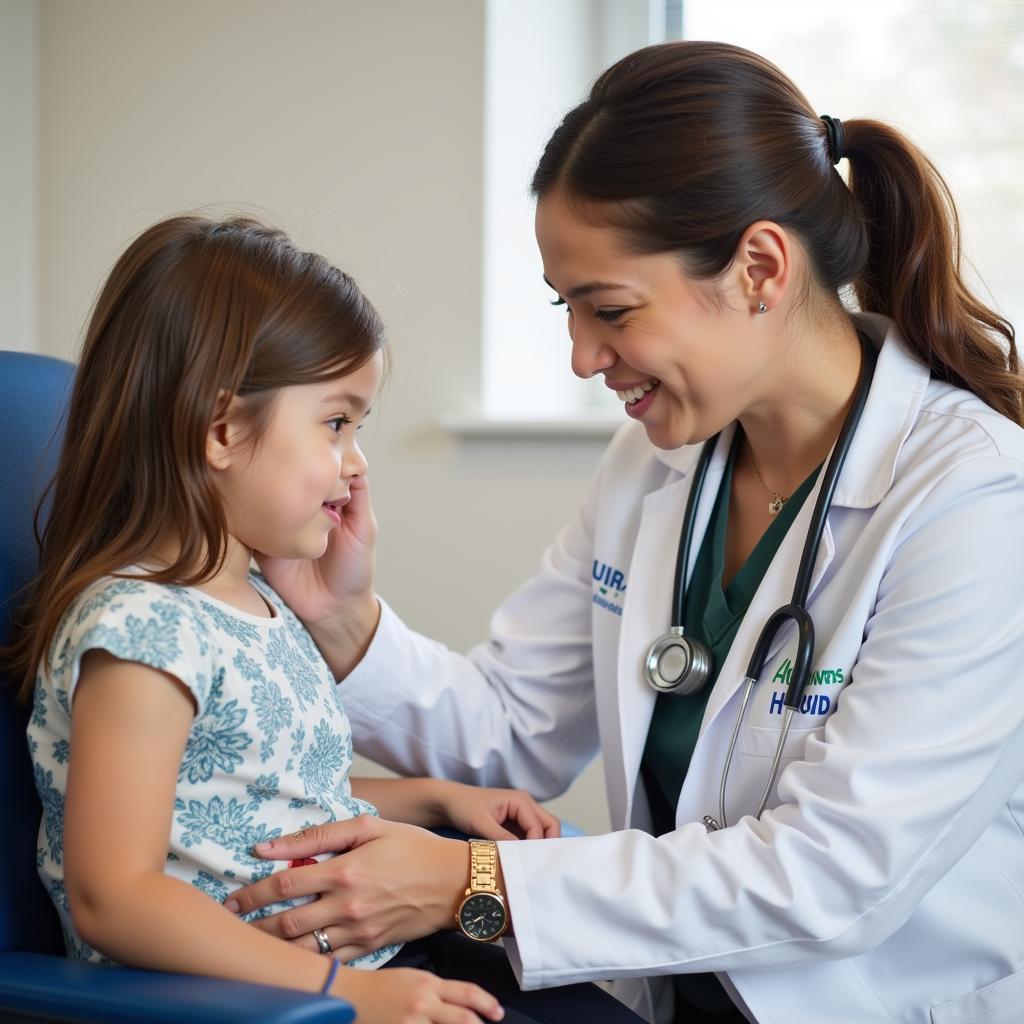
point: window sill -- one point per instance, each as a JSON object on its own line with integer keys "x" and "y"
{"x": 582, "y": 426}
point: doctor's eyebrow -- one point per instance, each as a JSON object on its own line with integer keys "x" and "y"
{"x": 585, "y": 289}
{"x": 357, "y": 403}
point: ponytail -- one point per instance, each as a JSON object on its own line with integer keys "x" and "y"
{"x": 913, "y": 270}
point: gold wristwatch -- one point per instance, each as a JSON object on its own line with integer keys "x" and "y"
{"x": 482, "y": 914}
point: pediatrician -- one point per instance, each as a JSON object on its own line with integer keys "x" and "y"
{"x": 865, "y": 475}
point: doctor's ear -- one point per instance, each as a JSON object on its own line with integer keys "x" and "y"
{"x": 764, "y": 264}
{"x": 226, "y": 435}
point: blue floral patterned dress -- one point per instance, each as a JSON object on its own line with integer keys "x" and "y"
{"x": 269, "y": 750}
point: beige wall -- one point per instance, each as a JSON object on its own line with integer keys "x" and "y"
{"x": 19, "y": 120}
{"x": 357, "y": 127}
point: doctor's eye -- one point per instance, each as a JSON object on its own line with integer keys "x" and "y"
{"x": 558, "y": 302}
{"x": 609, "y": 315}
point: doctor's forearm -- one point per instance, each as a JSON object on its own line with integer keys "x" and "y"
{"x": 344, "y": 640}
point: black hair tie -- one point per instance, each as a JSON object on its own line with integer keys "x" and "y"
{"x": 836, "y": 138}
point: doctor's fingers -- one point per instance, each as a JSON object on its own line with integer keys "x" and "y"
{"x": 359, "y": 510}
{"x": 347, "y": 923}
{"x": 360, "y": 914}
{"x": 342, "y": 950}
{"x": 294, "y": 883}
{"x": 333, "y": 837}
{"x": 346, "y": 954}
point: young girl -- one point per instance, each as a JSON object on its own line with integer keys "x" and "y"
{"x": 182, "y": 714}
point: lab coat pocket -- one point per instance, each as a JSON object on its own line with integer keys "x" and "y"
{"x": 757, "y": 748}
{"x": 1001, "y": 1002}
{"x": 761, "y": 740}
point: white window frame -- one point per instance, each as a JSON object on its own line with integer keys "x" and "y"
{"x": 540, "y": 59}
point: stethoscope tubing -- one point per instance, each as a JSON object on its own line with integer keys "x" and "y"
{"x": 689, "y": 521}
{"x": 796, "y": 610}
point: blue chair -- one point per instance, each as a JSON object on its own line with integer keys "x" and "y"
{"x": 37, "y": 982}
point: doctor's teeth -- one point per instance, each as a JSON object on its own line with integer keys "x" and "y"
{"x": 635, "y": 394}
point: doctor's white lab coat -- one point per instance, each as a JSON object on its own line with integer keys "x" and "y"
{"x": 885, "y": 882}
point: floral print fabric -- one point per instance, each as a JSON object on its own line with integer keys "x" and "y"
{"x": 269, "y": 750}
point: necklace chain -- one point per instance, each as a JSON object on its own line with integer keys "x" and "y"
{"x": 777, "y": 500}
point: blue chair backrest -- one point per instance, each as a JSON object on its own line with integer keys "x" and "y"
{"x": 34, "y": 392}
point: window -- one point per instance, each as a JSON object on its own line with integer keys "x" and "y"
{"x": 540, "y": 58}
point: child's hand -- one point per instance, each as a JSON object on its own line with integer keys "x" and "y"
{"x": 333, "y": 595}
{"x": 496, "y": 813}
{"x": 320, "y": 588}
{"x": 402, "y": 996}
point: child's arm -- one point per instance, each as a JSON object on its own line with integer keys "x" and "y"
{"x": 129, "y": 728}
{"x": 475, "y": 810}
{"x": 413, "y": 801}
{"x": 128, "y": 733}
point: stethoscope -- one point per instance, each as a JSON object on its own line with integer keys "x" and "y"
{"x": 681, "y": 665}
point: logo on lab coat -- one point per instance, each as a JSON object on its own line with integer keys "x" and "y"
{"x": 811, "y": 703}
{"x": 823, "y": 677}
{"x": 610, "y": 587}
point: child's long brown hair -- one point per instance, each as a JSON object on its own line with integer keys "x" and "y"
{"x": 193, "y": 310}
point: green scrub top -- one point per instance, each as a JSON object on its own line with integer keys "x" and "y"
{"x": 713, "y": 615}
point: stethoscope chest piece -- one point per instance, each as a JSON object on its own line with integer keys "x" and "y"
{"x": 677, "y": 664}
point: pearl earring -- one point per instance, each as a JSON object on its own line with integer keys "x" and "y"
{"x": 762, "y": 307}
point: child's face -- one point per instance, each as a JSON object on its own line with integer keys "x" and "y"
{"x": 276, "y": 496}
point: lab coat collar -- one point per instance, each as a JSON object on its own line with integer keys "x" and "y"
{"x": 894, "y": 400}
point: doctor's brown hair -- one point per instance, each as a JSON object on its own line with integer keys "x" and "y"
{"x": 193, "y": 311}
{"x": 682, "y": 146}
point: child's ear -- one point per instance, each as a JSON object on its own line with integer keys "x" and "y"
{"x": 225, "y": 432}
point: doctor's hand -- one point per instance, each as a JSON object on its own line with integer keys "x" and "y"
{"x": 494, "y": 813}
{"x": 393, "y": 883}
{"x": 333, "y": 595}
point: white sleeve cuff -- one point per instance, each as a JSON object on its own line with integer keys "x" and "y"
{"x": 522, "y": 947}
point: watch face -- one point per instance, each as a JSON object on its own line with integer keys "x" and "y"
{"x": 482, "y": 916}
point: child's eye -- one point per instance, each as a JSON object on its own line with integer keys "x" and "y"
{"x": 337, "y": 423}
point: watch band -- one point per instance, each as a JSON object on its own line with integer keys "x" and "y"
{"x": 483, "y": 866}
{"x": 482, "y": 915}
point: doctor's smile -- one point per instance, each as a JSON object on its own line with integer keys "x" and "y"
{"x": 785, "y": 615}
{"x": 638, "y": 397}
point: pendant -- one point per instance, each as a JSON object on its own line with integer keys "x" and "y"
{"x": 775, "y": 505}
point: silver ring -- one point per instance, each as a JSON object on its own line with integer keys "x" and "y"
{"x": 322, "y": 941}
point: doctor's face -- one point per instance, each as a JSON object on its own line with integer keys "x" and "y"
{"x": 677, "y": 350}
